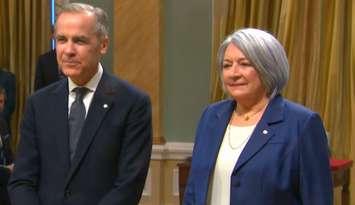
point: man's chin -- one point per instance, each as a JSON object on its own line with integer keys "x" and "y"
{"x": 70, "y": 72}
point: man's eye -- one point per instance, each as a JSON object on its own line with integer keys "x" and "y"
{"x": 60, "y": 40}
{"x": 81, "y": 41}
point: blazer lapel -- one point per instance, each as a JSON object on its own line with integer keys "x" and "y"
{"x": 216, "y": 131}
{"x": 100, "y": 105}
{"x": 59, "y": 104}
{"x": 262, "y": 132}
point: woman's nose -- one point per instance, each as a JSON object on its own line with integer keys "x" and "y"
{"x": 235, "y": 68}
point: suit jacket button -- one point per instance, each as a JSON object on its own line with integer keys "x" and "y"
{"x": 67, "y": 193}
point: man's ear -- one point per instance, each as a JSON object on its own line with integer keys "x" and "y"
{"x": 104, "y": 45}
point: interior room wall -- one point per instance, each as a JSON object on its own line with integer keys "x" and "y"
{"x": 187, "y": 62}
{"x": 106, "y": 5}
{"x": 188, "y": 26}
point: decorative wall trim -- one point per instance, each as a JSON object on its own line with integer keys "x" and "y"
{"x": 175, "y": 184}
{"x": 147, "y": 191}
{"x": 172, "y": 151}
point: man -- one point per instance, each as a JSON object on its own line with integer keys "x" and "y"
{"x": 108, "y": 163}
{"x": 8, "y": 82}
{"x": 47, "y": 71}
{"x": 5, "y": 153}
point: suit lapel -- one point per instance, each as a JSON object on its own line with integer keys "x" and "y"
{"x": 59, "y": 104}
{"x": 262, "y": 132}
{"x": 100, "y": 105}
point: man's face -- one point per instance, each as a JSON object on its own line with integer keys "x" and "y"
{"x": 79, "y": 48}
{"x": 2, "y": 102}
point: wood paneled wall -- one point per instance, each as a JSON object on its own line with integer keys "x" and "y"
{"x": 137, "y": 52}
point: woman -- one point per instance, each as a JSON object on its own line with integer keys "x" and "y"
{"x": 258, "y": 148}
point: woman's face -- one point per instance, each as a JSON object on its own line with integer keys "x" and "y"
{"x": 240, "y": 78}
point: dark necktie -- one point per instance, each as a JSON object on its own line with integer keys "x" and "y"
{"x": 76, "y": 119}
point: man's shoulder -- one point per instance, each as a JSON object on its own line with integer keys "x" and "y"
{"x": 57, "y": 86}
{"x": 49, "y": 54}
{"x": 119, "y": 86}
{"x": 6, "y": 74}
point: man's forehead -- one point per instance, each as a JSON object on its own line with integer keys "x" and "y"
{"x": 81, "y": 24}
{"x": 75, "y": 35}
{"x": 72, "y": 14}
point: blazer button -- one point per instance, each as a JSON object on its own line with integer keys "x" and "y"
{"x": 67, "y": 193}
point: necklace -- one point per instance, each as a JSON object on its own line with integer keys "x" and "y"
{"x": 230, "y": 140}
{"x": 247, "y": 117}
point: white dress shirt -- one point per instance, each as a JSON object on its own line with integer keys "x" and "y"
{"x": 91, "y": 85}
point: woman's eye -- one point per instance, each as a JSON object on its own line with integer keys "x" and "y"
{"x": 226, "y": 65}
{"x": 245, "y": 64}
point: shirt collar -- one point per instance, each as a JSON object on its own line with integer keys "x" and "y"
{"x": 91, "y": 84}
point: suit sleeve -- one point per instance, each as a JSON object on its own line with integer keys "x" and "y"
{"x": 315, "y": 175}
{"x": 7, "y": 149}
{"x": 134, "y": 156}
{"x": 39, "y": 74}
{"x": 10, "y": 88}
{"x": 24, "y": 180}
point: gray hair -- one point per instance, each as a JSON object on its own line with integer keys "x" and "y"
{"x": 264, "y": 52}
{"x": 101, "y": 26}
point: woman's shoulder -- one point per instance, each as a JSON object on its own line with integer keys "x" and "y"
{"x": 220, "y": 105}
{"x": 297, "y": 109}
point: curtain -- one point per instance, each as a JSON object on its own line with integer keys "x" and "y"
{"x": 319, "y": 39}
{"x": 24, "y": 35}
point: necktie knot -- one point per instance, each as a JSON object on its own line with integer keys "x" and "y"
{"x": 80, "y": 93}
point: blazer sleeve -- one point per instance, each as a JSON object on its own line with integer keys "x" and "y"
{"x": 24, "y": 180}
{"x": 134, "y": 155}
{"x": 190, "y": 191}
{"x": 315, "y": 175}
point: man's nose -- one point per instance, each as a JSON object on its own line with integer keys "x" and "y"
{"x": 69, "y": 48}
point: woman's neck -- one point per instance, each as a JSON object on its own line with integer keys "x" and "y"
{"x": 249, "y": 113}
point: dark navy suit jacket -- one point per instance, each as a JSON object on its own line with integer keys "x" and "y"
{"x": 6, "y": 158}
{"x": 285, "y": 161}
{"x": 8, "y": 82}
{"x": 112, "y": 156}
{"x": 47, "y": 71}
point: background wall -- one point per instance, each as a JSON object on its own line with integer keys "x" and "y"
{"x": 187, "y": 62}
{"x": 106, "y": 5}
{"x": 188, "y": 27}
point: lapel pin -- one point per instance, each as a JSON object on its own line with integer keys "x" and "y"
{"x": 105, "y": 106}
{"x": 265, "y": 132}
